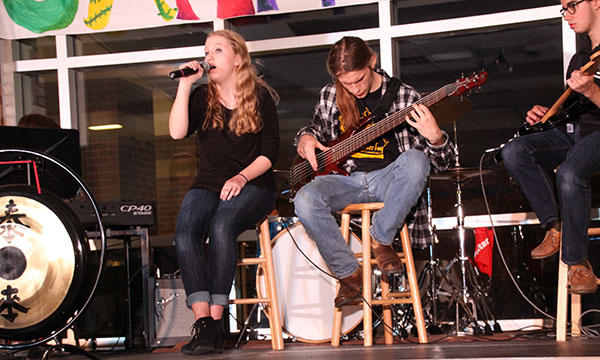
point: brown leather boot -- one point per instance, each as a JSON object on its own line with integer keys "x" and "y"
{"x": 350, "y": 288}
{"x": 549, "y": 246}
{"x": 582, "y": 279}
{"x": 388, "y": 261}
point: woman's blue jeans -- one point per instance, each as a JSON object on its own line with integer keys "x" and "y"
{"x": 208, "y": 268}
{"x": 399, "y": 185}
{"x": 530, "y": 160}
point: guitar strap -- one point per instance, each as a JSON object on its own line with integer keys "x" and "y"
{"x": 391, "y": 93}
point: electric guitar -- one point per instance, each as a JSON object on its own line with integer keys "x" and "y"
{"x": 566, "y": 107}
{"x": 328, "y": 161}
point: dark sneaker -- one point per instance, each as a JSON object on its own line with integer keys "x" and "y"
{"x": 207, "y": 337}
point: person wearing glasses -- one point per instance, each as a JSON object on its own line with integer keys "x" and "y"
{"x": 572, "y": 152}
{"x": 393, "y": 168}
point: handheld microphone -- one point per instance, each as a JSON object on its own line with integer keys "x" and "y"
{"x": 187, "y": 71}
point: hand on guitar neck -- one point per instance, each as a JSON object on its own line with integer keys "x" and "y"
{"x": 536, "y": 114}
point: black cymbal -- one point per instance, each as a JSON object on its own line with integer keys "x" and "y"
{"x": 458, "y": 174}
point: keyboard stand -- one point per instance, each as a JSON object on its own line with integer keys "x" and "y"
{"x": 126, "y": 235}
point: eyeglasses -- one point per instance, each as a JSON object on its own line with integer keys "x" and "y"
{"x": 571, "y": 7}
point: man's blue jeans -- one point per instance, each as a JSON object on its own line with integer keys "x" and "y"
{"x": 207, "y": 269}
{"x": 399, "y": 185}
{"x": 530, "y": 160}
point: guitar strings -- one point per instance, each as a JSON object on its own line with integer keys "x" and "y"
{"x": 337, "y": 152}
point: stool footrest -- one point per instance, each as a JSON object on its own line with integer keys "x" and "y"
{"x": 251, "y": 261}
{"x": 390, "y": 301}
{"x": 594, "y": 231}
{"x": 250, "y": 301}
{"x": 399, "y": 294}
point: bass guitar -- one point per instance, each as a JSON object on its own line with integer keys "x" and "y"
{"x": 569, "y": 105}
{"x": 329, "y": 161}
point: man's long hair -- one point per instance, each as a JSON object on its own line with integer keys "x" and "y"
{"x": 246, "y": 116}
{"x": 348, "y": 54}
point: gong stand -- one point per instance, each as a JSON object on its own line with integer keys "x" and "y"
{"x": 32, "y": 166}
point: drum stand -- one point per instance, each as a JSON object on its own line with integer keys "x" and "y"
{"x": 429, "y": 274}
{"x": 470, "y": 291}
{"x": 68, "y": 348}
{"x": 248, "y": 328}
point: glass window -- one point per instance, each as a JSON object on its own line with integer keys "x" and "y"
{"x": 524, "y": 64}
{"x": 139, "y": 161}
{"x": 406, "y": 12}
{"x": 38, "y": 48}
{"x": 39, "y": 94}
{"x": 143, "y": 39}
{"x": 306, "y": 23}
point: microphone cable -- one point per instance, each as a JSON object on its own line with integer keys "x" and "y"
{"x": 489, "y": 213}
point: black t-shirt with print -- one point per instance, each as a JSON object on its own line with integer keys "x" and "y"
{"x": 382, "y": 151}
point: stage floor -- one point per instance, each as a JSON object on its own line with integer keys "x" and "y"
{"x": 523, "y": 345}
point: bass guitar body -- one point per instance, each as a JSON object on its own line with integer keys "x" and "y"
{"x": 567, "y": 114}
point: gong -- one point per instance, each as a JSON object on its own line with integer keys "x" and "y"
{"x": 44, "y": 261}
{"x": 47, "y": 273}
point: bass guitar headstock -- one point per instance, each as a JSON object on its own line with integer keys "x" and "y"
{"x": 467, "y": 83}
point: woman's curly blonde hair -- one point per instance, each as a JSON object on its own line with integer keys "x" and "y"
{"x": 246, "y": 116}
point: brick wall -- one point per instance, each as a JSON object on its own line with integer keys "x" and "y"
{"x": 179, "y": 158}
{"x": 119, "y": 164}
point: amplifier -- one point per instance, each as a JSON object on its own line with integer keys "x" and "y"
{"x": 116, "y": 214}
{"x": 172, "y": 320}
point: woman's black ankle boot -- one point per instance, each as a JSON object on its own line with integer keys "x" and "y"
{"x": 206, "y": 337}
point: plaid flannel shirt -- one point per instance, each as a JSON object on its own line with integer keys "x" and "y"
{"x": 325, "y": 126}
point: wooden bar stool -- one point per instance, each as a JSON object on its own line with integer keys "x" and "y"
{"x": 562, "y": 299}
{"x": 266, "y": 261}
{"x": 387, "y": 298}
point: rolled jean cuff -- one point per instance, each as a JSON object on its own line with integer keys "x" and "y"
{"x": 577, "y": 262}
{"x": 219, "y": 299}
{"x": 377, "y": 238}
{"x": 197, "y": 297}
{"x": 348, "y": 273}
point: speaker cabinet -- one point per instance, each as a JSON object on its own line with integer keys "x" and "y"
{"x": 172, "y": 318}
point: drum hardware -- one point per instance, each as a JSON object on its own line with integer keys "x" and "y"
{"x": 29, "y": 213}
{"x": 402, "y": 316}
{"x": 469, "y": 291}
{"x": 247, "y": 329}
